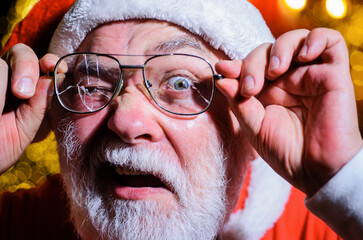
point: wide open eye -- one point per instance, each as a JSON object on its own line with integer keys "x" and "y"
{"x": 180, "y": 83}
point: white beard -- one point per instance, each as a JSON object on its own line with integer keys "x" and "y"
{"x": 199, "y": 184}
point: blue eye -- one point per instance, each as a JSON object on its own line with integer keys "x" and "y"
{"x": 180, "y": 83}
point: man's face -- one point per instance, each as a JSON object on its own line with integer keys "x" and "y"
{"x": 132, "y": 169}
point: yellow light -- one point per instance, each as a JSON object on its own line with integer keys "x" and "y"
{"x": 356, "y": 61}
{"x": 336, "y": 8}
{"x": 357, "y": 77}
{"x": 296, "y": 4}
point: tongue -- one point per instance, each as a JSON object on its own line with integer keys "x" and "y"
{"x": 141, "y": 181}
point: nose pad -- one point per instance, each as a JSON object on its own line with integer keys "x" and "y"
{"x": 128, "y": 75}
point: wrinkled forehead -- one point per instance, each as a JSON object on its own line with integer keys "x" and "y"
{"x": 146, "y": 37}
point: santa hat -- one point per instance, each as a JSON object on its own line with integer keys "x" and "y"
{"x": 233, "y": 26}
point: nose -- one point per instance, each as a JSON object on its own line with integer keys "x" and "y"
{"x": 134, "y": 120}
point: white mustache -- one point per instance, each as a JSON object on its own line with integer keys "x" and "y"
{"x": 141, "y": 160}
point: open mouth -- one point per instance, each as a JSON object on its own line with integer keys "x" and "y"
{"x": 137, "y": 179}
{"x": 129, "y": 184}
{"x": 124, "y": 182}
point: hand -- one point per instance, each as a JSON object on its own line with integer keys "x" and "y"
{"x": 24, "y": 103}
{"x": 295, "y": 101}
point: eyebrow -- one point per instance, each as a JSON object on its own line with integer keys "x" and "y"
{"x": 175, "y": 44}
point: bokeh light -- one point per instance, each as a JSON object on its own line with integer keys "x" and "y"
{"x": 336, "y": 8}
{"x": 296, "y": 4}
{"x": 39, "y": 161}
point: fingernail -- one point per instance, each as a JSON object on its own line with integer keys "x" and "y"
{"x": 25, "y": 86}
{"x": 275, "y": 62}
{"x": 248, "y": 83}
{"x": 304, "y": 50}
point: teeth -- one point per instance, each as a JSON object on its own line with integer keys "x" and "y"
{"x": 128, "y": 171}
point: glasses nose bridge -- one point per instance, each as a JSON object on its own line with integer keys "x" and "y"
{"x": 131, "y": 70}
{"x": 122, "y": 66}
{"x": 125, "y": 76}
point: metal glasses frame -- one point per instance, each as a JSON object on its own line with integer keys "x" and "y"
{"x": 120, "y": 81}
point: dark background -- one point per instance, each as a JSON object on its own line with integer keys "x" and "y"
{"x": 4, "y": 8}
{"x": 5, "y": 5}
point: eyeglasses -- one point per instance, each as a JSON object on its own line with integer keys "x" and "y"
{"x": 181, "y": 84}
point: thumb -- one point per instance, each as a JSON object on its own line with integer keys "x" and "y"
{"x": 31, "y": 114}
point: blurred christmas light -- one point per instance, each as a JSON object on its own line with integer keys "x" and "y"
{"x": 336, "y": 8}
{"x": 356, "y": 60}
{"x": 296, "y": 4}
{"x": 39, "y": 161}
{"x": 357, "y": 77}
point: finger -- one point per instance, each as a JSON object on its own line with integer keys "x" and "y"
{"x": 253, "y": 71}
{"x": 249, "y": 111}
{"x": 31, "y": 115}
{"x": 229, "y": 68}
{"x": 48, "y": 62}
{"x": 323, "y": 40}
{"x": 3, "y": 83}
{"x": 23, "y": 63}
{"x": 283, "y": 51}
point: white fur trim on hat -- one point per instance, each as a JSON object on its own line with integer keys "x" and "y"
{"x": 234, "y": 26}
{"x": 268, "y": 194}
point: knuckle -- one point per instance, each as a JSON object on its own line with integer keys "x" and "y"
{"x": 327, "y": 31}
{"x": 247, "y": 62}
{"x": 18, "y": 47}
{"x": 24, "y": 64}
{"x": 21, "y": 50}
{"x": 265, "y": 46}
{"x": 297, "y": 32}
{"x": 16, "y": 50}
{"x": 275, "y": 47}
{"x": 258, "y": 51}
{"x": 337, "y": 34}
{"x": 48, "y": 60}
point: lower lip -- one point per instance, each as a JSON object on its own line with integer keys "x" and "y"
{"x": 140, "y": 193}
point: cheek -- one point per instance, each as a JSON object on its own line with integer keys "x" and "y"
{"x": 196, "y": 143}
{"x": 188, "y": 135}
{"x": 88, "y": 125}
